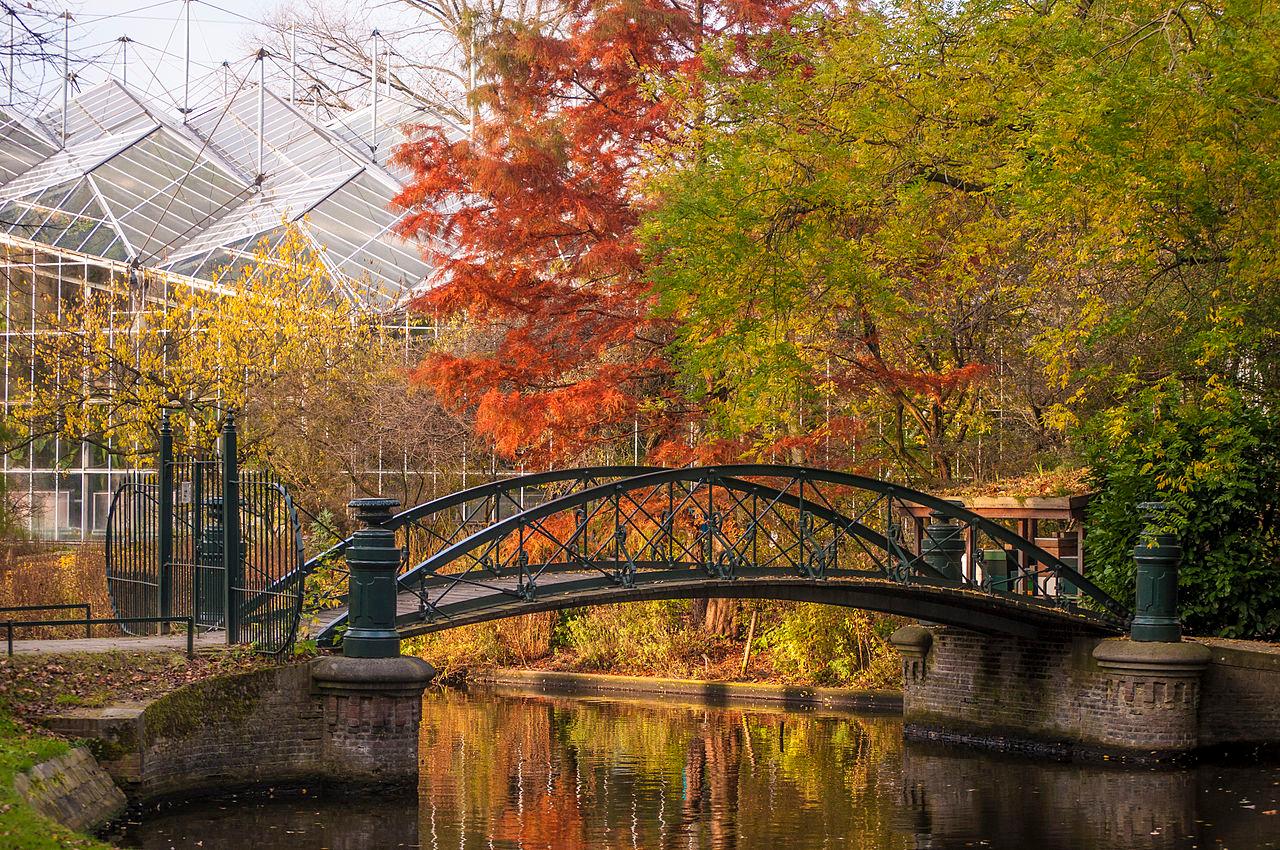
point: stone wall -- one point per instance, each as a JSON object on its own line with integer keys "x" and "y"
{"x": 278, "y": 726}
{"x": 1072, "y": 695}
{"x": 72, "y": 790}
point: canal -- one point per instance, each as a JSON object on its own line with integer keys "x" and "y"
{"x": 502, "y": 771}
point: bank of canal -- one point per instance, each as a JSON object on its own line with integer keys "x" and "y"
{"x": 530, "y": 770}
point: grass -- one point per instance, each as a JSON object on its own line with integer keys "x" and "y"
{"x": 22, "y": 827}
{"x": 34, "y": 686}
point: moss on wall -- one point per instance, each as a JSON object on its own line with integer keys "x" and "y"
{"x": 226, "y": 700}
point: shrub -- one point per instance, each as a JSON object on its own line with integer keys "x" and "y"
{"x": 827, "y": 645}
{"x": 1213, "y": 457}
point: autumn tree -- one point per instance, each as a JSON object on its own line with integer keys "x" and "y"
{"x": 322, "y": 386}
{"x": 539, "y": 209}
{"x": 923, "y": 223}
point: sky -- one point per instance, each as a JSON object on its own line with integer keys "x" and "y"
{"x": 153, "y": 60}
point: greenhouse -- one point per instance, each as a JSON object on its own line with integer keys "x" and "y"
{"x": 110, "y": 184}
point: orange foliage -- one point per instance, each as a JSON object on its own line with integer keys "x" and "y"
{"x": 538, "y": 215}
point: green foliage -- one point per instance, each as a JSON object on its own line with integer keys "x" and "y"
{"x": 918, "y": 213}
{"x": 643, "y": 635}
{"x": 1213, "y": 457}
{"x": 826, "y": 645}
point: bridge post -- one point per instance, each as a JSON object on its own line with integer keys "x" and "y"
{"x": 374, "y": 559}
{"x": 371, "y": 696}
{"x": 1157, "y": 554}
{"x": 944, "y": 545}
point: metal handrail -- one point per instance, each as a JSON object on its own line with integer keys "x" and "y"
{"x": 731, "y": 477}
{"x": 89, "y": 623}
{"x": 70, "y": 606}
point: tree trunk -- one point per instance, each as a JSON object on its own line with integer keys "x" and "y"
{"x": 715, "y": 616}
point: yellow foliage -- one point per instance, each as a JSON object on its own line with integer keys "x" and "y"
{"x": 108, "y": 363}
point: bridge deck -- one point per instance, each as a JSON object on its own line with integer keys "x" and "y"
{"x": 464, "y": 602}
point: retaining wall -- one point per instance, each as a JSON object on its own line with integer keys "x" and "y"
{"x": 1077, "y": 696}
{"x": 72, "y": 790}
{"x": 276, "y": 726}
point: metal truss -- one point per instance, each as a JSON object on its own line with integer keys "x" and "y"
{"x": 740, "y": 530}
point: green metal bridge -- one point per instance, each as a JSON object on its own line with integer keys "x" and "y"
{"x": 578, "y": 537}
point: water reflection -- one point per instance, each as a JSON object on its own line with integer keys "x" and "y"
{"x": 564, "y": 773}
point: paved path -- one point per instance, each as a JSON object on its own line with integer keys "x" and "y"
{"x": 158, "y": 643}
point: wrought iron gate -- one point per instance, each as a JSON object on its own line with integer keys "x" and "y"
{"x": 206, "y": 539}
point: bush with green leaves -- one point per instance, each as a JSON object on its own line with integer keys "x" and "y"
{"x": 1212, "y": 455}
{"x": 827, "y": 645}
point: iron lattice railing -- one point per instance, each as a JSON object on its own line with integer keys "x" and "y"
{"x": 428, "y": 528}
{"x": 727, "y": 523}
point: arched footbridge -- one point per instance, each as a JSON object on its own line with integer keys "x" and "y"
{"x": 572, "y": 538}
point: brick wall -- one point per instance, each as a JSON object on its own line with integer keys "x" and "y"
{"x": 71, "y": 790}
{"x": 245, "y": 729}
{"x": 266, "y": 727}
{"x": 1049, "y": 695}
{"x": 365, "y": 736}
{"x": 1012, "y": 693}
{"x": 1240, "y": 699}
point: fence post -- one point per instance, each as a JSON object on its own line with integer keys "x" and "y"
{"x": 233, "y": 565}
{"x": 197, "y": 540}
{"x": 165, "y": 497}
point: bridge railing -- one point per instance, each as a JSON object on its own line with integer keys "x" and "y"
{"x": 429, "y": 527}
{"x": 736, "y": 522}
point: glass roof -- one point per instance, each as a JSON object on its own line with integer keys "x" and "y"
{"x": 130, "y": 181}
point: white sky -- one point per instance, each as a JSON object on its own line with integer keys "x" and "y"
{"x": 156, "y": 28}
{"x": 221, "y": 30}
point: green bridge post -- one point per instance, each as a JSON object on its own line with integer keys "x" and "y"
{"x": 374, "y": 560}
{"x": 371, "y": 694}
{"x": 1157, "y": 554}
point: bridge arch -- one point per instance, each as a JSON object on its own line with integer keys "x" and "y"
{"x": 747, "y": 531}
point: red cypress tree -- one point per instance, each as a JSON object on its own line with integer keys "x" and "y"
{"x": 539, "y": 211}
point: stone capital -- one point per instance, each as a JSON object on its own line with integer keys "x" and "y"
{"x": 1152, "y": 659}
{"x": 912, "y": 641}
{"x": 400, "y": 676}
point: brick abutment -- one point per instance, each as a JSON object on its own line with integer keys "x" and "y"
{"x": 335, "y": 721}
{"x": 1072, "y": 695}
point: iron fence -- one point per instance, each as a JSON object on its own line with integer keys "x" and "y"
{"x": 209, "y": 541}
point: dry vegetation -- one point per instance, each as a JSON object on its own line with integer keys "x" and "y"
{"x": 792, "y": 643}
{"x": 52, "y": 575}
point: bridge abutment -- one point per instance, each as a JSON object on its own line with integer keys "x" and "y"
{"x": 1063, "y": 694}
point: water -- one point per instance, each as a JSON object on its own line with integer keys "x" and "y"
{"x": 547, "y": 772}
